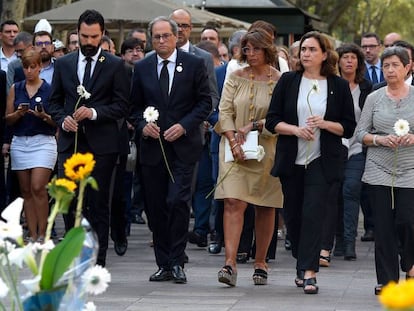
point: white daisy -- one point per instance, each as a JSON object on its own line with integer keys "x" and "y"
{"x": 401, "y": 127}
{"x": 97, "y": 279}
{"x": 151, "y": 114}
{"x": 260, "y": 153}
{"x": 90, "y": 306}
{"x": 83, "y": 92}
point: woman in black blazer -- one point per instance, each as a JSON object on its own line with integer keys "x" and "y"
{"x": 311, "y": 110}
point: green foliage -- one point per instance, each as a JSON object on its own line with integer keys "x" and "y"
{"x": 61, "y": 257}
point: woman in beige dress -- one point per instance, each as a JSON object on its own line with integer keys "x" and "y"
{"x": 243, "y": 107}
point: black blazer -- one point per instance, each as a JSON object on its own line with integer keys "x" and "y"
{"x": 109, "y": 90}
{"x": 283, "y": 108}
{"x": 189, "y": 104}
{"x": 366, "y": 87}
{"x": 384, "y": 83}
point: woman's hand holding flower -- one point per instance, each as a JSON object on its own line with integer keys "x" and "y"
{"x": 391, "y": 141}
{"x": 406, "y": 140}
{"x": 315, "y": 122}
{"x": 305, "y": 133}
{"x": 151, "y": 130}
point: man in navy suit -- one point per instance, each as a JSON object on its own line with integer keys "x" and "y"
{"x": 95, "y": 120}
{"x": 371, "y": 47}
{"x": 183, "y": 104}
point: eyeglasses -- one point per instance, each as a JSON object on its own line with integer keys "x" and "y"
{"x": 246, "y": 50}
{"x": 371, "y": 47}
{"x": 43, "y": 43}
{"x": 164, "y": 36}
{"x": 184, "y": 26}
{"x": 137, "y": 50}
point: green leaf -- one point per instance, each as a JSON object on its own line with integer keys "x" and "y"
{"x": 92, "y": 182}
{"x": 61, "y": 257}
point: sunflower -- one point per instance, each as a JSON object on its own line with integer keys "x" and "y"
{"x": 65, "y": 183}
{"x": 79, "y": 166}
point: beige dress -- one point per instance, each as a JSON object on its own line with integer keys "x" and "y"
{"x": 250, "y": 180}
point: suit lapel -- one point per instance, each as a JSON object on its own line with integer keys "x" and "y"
{"x": 97, "y": 71}
{"x": 178, "y": 72}
{"x": 74, "y": 67}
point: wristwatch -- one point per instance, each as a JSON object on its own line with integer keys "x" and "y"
{"x": 255, "y": 126}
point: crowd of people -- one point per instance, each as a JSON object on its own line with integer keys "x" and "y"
{"x": 332, "y": 129}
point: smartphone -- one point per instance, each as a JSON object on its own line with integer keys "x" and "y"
{"x": 24, "y": 106}
{"x": 39, "y": 107}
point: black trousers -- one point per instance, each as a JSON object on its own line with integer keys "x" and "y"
{"x": 304, "y": 194}
{"x": 96, "y": 203}
{"x": 118, "y": 203}
{"x": 167, "y": 209}
{"x": 397, "y": 231}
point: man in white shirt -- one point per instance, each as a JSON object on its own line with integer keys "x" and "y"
{"x": 8, "y": 31}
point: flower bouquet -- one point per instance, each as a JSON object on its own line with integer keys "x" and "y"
{"x": 398, "y": 296}
{"x": 62, "y": 274}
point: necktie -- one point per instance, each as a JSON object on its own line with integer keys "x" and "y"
{"x": 164, "y": 79}
{"x": 87, "y": 74}
{"x": 374, "y": 75}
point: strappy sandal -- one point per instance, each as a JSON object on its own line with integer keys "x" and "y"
{"x": 324, "y": 261}
{"x": 310, "y": 282}
{"x": 260, "y": 276}
{"x": 378, "y": 289}
{"x": 227, "y": 276}
{"x": 299, "y": 278}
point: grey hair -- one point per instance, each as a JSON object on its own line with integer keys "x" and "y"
{"x": 398, "y": 51}
{"x": 24, "y": 37}
{"x": 235, "y": 39}
{"x": 173, "y": 24}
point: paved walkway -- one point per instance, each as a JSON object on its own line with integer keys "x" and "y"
{"x": 343, "y": 286}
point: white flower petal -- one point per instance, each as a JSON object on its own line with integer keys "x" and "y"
{"x": 12, "y": 212}
{"x": 260, "y": 153}
{"x": 32, "y": 285}
{"x": 11, "y": 230}
{"x": 4, "y": 290}
{"x": 90, "y": 306}
{"x": 151, "y": 114}
{"x": 96, "y": 279}
{"x": 401, "y": 127}
{"x": 17, "y": 256}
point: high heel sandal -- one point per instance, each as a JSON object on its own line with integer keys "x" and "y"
{"x": 324, "y": 261}
{"x": 227, "y": 276}
{"x": 260, "y": 276}
{"x": 310, "y": 282}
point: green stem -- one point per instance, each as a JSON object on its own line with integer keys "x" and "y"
{"x": 221, "y": 180}
{"x": 50, "y": 222}
{"x": 13, "y": 287}
{"x": 2, "y": 307}
{"x": 76, "y": 134}
{"x": 165, "y": 160}
{"x": 307, "y": 100}
{"x": 393, "y": 177}
{"x": 82, "y": 185}
{"x": 308, "y": 145}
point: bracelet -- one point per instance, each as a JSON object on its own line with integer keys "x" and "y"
{"x": 234, "y": 146}
{"x": 233, "y": 139}
{"x": 374, "y": 140}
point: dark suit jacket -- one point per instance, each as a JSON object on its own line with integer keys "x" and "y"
{"x": 384, "y": 83}
{"x": 189, "y": 104}
{"x": 109, "y": 90}
{"x": 366, "y": 87}
{"x": 368, "y": 77}
{"x": 283, "y": 108}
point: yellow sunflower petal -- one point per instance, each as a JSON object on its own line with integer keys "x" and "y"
{"x": 68, "y": 184}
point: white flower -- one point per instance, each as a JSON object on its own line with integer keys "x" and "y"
{"x": 12, "y": 228}
{"x": 260, "y": 153}
{"x": 18, "y": 255}
{"x": 90, "y": 306}
{"x": 12, "y": 231}
{"x": 97, "y": 279}
{"x": 32, "y": 285}
{"x": 315, "y": 86}
{"x": 5, "y": 248}
{"x": 83, "y": 92}
{"x": 37, "y": 247}
{"x": 401, "y": 127}
{"x": 4, "y": 290}
{"x": 151, "y": 114}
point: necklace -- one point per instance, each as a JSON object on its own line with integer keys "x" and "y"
{"x": 253, "y": 91}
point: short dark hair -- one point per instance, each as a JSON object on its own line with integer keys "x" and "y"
{"x": 24, "y": 37}
{"x": 72, "y": 32}
{"x": 173, "y": 24}
{"x": 209, "y": 47}
{"x": 208, "y": 27}
{"x": 371, "y": 35}
{"x": 131, "y": 43}
{"x": 90, "y": 17}
{"x": 261, "y": 39}
{"x": 406, "y": 45}
{"x": 398, "y": 51}
{"x": 355, "y": 49}
{"x": 329, "y": 64}
{"x": 132, "y": 31}
{"x": 8, "y": 22}
{"x": 41, "y": 33}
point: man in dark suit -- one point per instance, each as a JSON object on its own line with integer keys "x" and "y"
{"x": 95, "y": 120}
{"x": 175, "y": 83}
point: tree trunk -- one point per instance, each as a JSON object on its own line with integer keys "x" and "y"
{"x": 58, "y": 3}
{"x": 13, "y": 9}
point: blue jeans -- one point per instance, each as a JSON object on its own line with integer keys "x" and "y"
{"x": 354, "y": 168}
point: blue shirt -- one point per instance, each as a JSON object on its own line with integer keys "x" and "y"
{"x": 30, "y": 125}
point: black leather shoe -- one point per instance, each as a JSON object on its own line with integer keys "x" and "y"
{"x": 161, "y": 275}
{"x": 121, "y": 247}
{"x": 196, "y": 238}
{"x": 178, "y": 275}
{"x": 288, "y": 244}
{"x": 368, "y": 236}
{"x": 215, "y": 247}
{"x": 137, "y": 219}
{"x": 350, "y": 253}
